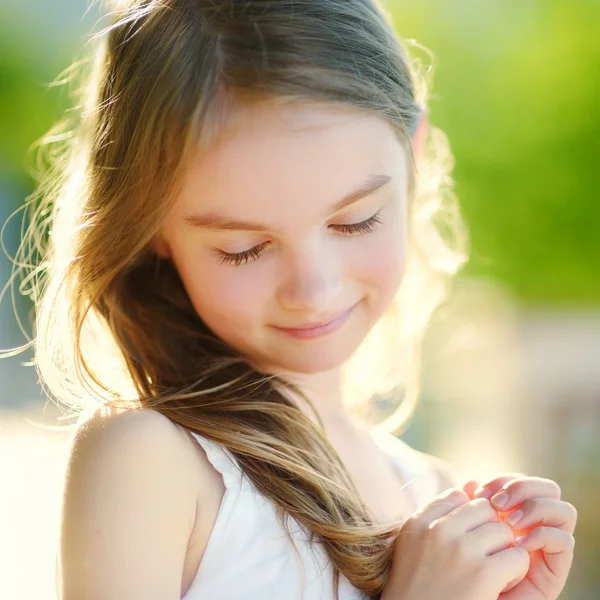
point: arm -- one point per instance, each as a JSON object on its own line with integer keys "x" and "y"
{"x": 128, "y": 509}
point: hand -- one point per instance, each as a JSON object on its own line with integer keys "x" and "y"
{"x": 454, "y": 548}
{"x": 546, "y": 529}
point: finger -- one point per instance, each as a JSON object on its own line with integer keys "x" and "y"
{"x": 544, "y": 511}
{"x": 467, "y": 517}
{"x": 489, "y": 488}
{"x": 557, "y": 546}
{"x": 441, "y": 505}
{"x": 512, "y": 585}
{"x": 548, "y": 539}
{"x": 510, "y": 565}
{"x": 470, "y": 487}
{"x": 491, "y": 537}
{"x": 517, "y": 491}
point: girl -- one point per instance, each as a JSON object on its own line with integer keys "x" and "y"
{"x": 236, "y": 212}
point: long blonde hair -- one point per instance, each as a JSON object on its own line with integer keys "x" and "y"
{"x": 114, "y": 324}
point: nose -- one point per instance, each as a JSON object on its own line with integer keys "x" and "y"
{"x": 312, "y": 279}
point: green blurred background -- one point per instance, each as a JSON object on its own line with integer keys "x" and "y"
{"x": 517, "y": 91}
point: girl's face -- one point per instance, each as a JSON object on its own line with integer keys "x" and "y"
{"x": 295, "y": 220}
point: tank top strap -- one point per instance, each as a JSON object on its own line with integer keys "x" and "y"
{"x": 222, "y": 460}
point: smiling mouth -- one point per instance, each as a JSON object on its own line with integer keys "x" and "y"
{"x": 317, "y": 329}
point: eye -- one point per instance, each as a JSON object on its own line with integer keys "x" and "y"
{"x": 363, "y": 227}
{"x": 241, "y": 258}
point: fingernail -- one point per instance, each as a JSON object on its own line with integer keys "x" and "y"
{"x": 519, "y": 541}
{"x": 514, "y": 517}
{"x": 482, "y": 492}
{"x": 500, "y": 499}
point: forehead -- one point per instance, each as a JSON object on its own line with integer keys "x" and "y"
{"x": 287, "y": 160}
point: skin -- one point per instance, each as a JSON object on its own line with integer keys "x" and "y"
{"x": 284, "y": 168}
{"x": 546, "y": 528}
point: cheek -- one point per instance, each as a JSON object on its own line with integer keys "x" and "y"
{"x": 381, "y": 261}
{"x": 227, "y": 299}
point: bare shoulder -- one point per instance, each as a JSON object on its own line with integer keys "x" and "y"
{"x": 131, "y": 495}
{"x": 111, "y": 440}
{"x": 114, "y": 423}
{"x": 144, "y": 432}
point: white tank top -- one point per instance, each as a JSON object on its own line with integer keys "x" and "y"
{"x": 249, "y": 555}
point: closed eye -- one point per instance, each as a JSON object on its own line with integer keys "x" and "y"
{"x": 240, "y": 258}
{"x": 363, "y": 227}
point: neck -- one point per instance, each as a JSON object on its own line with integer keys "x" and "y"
{"x": 324, "y": 391}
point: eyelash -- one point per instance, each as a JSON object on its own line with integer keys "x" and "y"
{"x": 240, "y": 258}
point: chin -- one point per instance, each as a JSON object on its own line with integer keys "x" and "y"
{"x": 309, "y": 366}
{"x": 311, "y": 360}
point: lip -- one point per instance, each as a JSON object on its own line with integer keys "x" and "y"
{"x": 318, "y": 329}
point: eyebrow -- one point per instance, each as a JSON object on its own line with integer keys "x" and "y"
{"x": 215, "y": 221}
